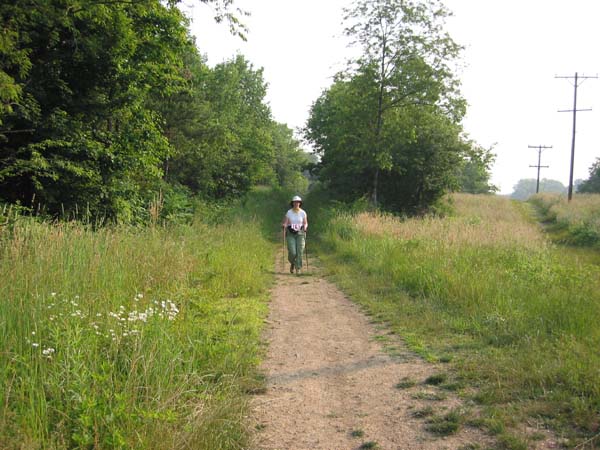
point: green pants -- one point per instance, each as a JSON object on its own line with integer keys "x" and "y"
{"x": 295, "y": 245}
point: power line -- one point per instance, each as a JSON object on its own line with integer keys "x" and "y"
{"x": 539, "y": 164}
{"x": 578, "y": 80}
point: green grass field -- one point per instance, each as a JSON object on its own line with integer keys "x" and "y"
{"x": 515, "y": 316}
{"x": 132, "y": 337}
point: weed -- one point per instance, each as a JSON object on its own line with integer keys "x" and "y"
{"x": 371, "y": 445}
{"x": 445, "y": 425}
{"x": 428, "y": 395}
{"x": 406, "y": 383}
{"x": 422, "y": 413}
{"x": 492, "y": 425}
{"x": 436, "y": 380}
{"x": 537, "y": 436}
{"x": 357, "y": 433}
{"x": 456, "y": 386}
{"x": 509, "y": 442}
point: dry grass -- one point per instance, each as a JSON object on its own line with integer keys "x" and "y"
{"x": 479, "y": 221}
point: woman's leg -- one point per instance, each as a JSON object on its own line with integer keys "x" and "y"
{"x": 291, "y": 246}
{"x": 300, "y": 242}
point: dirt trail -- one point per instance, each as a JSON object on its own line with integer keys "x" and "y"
{"x": 331, "y": 385}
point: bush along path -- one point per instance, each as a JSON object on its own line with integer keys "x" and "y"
{"x": 336, "y": 380}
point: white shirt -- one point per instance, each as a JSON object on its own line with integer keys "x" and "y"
{"x": 296, "y": 219}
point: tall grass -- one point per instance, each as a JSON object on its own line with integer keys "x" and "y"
{"x": 483, "y": 287}
{"x": 575, "y": 222}
{"x": 128, "y": 337}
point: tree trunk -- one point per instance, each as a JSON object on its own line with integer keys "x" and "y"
{"x": 379, "y": 121}
{"x": 375, "y": 185}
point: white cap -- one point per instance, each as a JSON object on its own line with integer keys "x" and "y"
{"x": 296, "y": 198}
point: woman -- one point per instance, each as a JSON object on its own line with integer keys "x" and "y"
{"x": 295, "y": 225}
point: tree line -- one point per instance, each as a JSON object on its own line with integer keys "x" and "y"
{"x": 109, "y": 106}
{"x": 105, "y": 104}
{"x": 526, "y": 187}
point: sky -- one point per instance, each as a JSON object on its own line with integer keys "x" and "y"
{"x": 513, "y": 52}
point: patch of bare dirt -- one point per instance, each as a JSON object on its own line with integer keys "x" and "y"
{"x": 331, "y": 385}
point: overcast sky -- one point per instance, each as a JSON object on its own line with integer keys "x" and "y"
{"x": 513, "y": 51}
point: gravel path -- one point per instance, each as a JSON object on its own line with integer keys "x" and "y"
{"x": 331, "y": 385}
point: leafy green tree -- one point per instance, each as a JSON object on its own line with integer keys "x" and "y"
{"x": 474, "y": 171}
{"x": 389, "y": 128}
{"x": 14, "y": 62}
{"x": 225, "y": 140}
{"x": 81, "y": 84}
{"x": 336, "y": 128}
{"x": 93, "y": 142}
{"x": 526, "y": 187}
{"x": 424, "y": 148}
{"x": 406, "y": 57}
{"x": 592, "y": 184}
{"x": 290, "y": 159}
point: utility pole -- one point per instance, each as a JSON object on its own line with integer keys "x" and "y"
{"x": 578, "y": 80}
{"x": 539, "y": 164}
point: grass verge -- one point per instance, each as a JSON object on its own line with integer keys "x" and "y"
{"x": 513, "y": 315}
{"x": 576, "y": 222}
{"x": 132, "y": 337}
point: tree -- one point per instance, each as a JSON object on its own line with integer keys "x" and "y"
{"x": 93, "y": 142}
{"x": 526, "y": 187}
{"x": 81, "y": 82}
{"x": 226, "y": 145}
{"x": 424, "y": 149}
{"x": 474, "y": 170}
{"x": 406, "y": 56}
{"x": 388, "y": 128}
{"x": 592, "y": 184}
{"x": 289, "y": 159}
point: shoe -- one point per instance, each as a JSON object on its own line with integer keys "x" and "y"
{"x": 297, "y": 271}
{"x": 292, "y": 268}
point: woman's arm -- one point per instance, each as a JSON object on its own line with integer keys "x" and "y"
{"x": 305, "y": 222}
